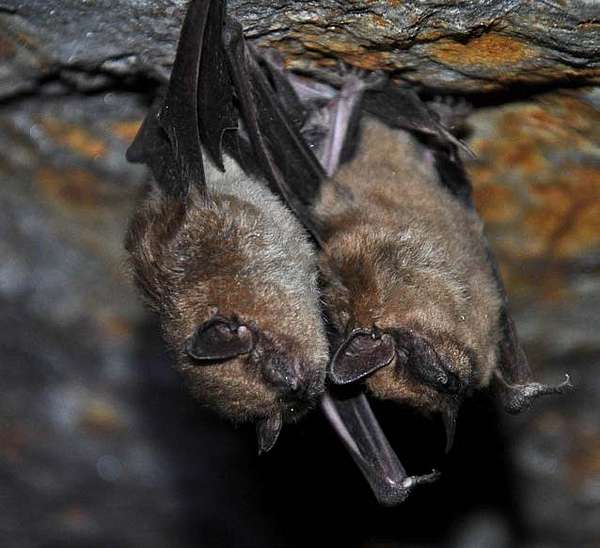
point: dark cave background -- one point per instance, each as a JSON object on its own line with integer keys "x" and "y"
{"x": 99, "y": 443}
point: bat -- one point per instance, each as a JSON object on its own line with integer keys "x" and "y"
{"x": 229, "y": 269}
{"x": 414, "y": 300}
{"x": 420, "y": 301}
{"x": 225, "y": 264}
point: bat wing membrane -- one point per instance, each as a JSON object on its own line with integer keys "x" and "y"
{"x": 281, "y": 153}
{"x": 169, "y": 139}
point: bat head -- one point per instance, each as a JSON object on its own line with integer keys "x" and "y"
{"x": 242, "y": 318}
{"x": 399, "y": 331}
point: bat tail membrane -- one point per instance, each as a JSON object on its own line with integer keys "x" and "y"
{"x": 356, "y": 425}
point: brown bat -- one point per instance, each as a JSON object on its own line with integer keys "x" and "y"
{"x": 416, "y": 307}
{"x": 410, "y": 278}
{"x": 229, "y": 270}
{"x": 225, "y": 264}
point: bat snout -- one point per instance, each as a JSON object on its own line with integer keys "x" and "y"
{"x": 292, "y": 377}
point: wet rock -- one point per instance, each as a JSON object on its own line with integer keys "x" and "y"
{"x": 466, "y": 47}
{"x": 537, "y": 184}
{"x": 99, "y": 445}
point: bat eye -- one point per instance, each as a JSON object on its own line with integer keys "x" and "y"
{"x": 363, "y": 352}
{"x": 219, "y": 339}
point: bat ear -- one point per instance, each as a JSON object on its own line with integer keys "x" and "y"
{"x": 363, "y": 352}
{"x": 219, "y": 339}
{"x": 267, "y": 432}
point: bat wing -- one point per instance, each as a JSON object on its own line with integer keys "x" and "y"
{"x": 279, "y": 150}
{"x": 169, "y": 138}
{"x": 354, "y": 422}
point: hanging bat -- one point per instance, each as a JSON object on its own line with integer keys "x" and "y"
{"x": 225, "y": 264}
{"x": 413, "y": 296}
{"x": 228, "y": 269}
{"x": 431, "y": 323}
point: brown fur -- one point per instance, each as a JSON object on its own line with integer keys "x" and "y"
{"x": 218, "y": 255}
{"x": 402, "y": 252}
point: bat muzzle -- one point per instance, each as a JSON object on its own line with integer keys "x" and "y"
{"x": 293, "y": 379}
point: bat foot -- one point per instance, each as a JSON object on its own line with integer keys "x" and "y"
{"x": 452, "y": 112}
{"x": 355, "y": 81}
{"x": 412, "y": 481}
{"x": 516, "y": 398}
{"x": 396, "y": 493}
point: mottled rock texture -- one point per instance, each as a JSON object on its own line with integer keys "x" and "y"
{"x": 467, "y": 46}
{"x": 537, "y": 185}
{"x": 99, "y": 446}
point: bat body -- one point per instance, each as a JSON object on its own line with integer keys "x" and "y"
{"x": 407, "y": 273}
{"x": 416, "y": 308}
{"x": 410, "y": 284}
{"x": 226, "y": 254}
{"x": 225, "y": 264}
{"x": 221, "y": 248}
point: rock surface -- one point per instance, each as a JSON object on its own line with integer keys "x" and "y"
{"x": 471, "y": 46}
{"x": 99, "y": 446}
{"x": 537, "y": 185}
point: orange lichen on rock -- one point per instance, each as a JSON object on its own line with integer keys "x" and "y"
{"x": 495, "y": 203}
{"x": 369, "y": 60}
{"x": 537, "y": 186}
{"x": 13, "y": 441}
{"x": 379, "y": 21}
{"x": 74, "y": 137}
{"x": 100, "y": 417}
{"x": 566, "y": 213}
{"x": 584, "y": 464}
{"x": 7, "y": 48}
{"x": 126, "y": 129}
{"x": 491, "y": 49}
{"x": 74, "y": 189}
{"x": 324, "y": 49}
{"x": 115, "y": 327}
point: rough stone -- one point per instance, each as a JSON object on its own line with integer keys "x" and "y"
{"x": 98, "y": 444}
{"x": 462, "y": 47}
{"x": 537, "y": 184}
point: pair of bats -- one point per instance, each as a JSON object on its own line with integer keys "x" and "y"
{"x": 299, "y": 232}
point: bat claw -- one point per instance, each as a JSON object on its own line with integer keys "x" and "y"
{"x": 353, "y": 79}
{"x": 412, "y": 481}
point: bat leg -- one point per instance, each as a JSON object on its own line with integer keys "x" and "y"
{"x": 452, "y": 113}
{"x": 353, "y": 420}
{"x": 344, "y": 111}
{"x": 331, "y": 115}
{"x": 512, "y": 382}
{"x": 519, "y": 397}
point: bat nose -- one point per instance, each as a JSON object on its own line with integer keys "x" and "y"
{"x": 290, "y": 376}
